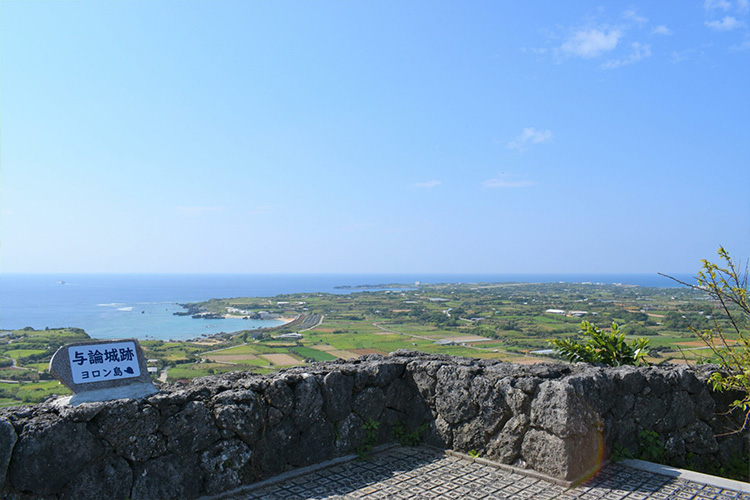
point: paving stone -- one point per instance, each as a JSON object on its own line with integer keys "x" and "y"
{"x": 427, "y": 474}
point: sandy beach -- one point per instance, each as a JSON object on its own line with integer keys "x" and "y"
{"x": 285, "y": 319}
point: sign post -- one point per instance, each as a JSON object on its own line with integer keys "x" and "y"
{"x": 102, "y": 370}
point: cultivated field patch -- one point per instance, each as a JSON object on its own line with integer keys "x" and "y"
{"x": 240, "y": 349}
{"x": 314, "y": 354}
{"x": 362, "y": 352}
{"x": 281, "y": 359}
{"x": 344, "y": 354}
{"x": 323, "y": 347}
{"x": 468, "y": 338}
{"x": 230, "y": 357}
{"x": 700, "y": 343}
{"x": 529, "y": 361}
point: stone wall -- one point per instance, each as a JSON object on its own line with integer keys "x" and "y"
{"x": 217, "y": 433}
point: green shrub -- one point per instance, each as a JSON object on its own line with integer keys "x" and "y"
{"x": 406, "y": 438}
{"x": 728, "y": 287}
{"x": 371, "y": 433}
{"x": 597, "y": 346}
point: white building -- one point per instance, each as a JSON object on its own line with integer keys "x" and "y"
{"x": 555, "y": 311}
{"x": 289, "y": 336}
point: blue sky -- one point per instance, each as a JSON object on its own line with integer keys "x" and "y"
{"x": 364, "y": 136}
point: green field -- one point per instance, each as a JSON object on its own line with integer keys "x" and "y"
{"x": 22, "y": 353}
{"x": 314, "y": 354}
{"x": 40, "y": 367}
{"x": 241, "y": 349}
{"x": 192, "y": 370}
{"x": 259, "y": 362}
{"x": 510, "y": 317}
{"x": 32, "y": 392}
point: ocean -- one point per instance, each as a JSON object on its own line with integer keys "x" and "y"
{"x": 113, "y": 306}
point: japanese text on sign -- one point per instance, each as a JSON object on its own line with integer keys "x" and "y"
{"x": 101, "y": 362}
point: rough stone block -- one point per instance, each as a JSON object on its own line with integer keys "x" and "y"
{"x": 8, "y": 440}
{"x": 571, "y": 458}
{"x": 111, "y": 478}
{"x": 168, "y": 476}
{"x": 337, "y": 394}
{"x": 50, "y": 452}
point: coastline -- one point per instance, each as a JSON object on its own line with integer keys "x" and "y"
{"x": 285, "y": 319}
{"x": 99, "y": 303}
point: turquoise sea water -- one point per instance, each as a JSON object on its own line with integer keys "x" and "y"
{"x": 110, "y": 306}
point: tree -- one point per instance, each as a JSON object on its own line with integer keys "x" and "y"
{"x": 602, "y": 347}
{"x": 635, "y": 329}
{"x": 728, "y": 287}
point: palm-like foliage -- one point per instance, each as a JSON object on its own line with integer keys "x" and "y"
{"x": 609, "y": 348}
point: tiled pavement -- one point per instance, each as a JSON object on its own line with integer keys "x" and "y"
{"x": 423, "y": 473}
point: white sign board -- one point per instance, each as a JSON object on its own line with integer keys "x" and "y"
{"x": 102, "y": 362}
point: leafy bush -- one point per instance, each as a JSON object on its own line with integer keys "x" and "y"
{"x": 635, "y": 329}
{"x": 371, "y": 434}
{"x": 650, "y": 446}
{"x": 597, "y": 346}
{"x": 413, "y": 438}
{"x": 728, "y": 287}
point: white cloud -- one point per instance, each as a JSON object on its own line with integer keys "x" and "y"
{"x": 529, "y": 136}
{"x": 727, "y": 24}
{"x": 661, "y": 30}
{"x": 591, "y": 43}
{"x": 745, "y": 45}
{"x": 505, "y": 183}
{"x": 632, "y": 15}
{"x": 427, "y": 185}
{"x": 717, "y": 4}
{"x": 725, "y": 5}
{"x": 640, "y": 51}
{"x": 196, "y": 211}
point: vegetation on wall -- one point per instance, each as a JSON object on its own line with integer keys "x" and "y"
{"x": 727, "y": 285}
{"x": 597, "y": 346}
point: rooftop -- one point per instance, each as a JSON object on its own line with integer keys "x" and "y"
{"x": 427, "y": 473}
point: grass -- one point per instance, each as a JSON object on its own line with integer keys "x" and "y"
{"x": 514, "y": 321}
{"x": 386, "y": 343}
{"x": 241, "y": 349}
{"x": 252, "y": 362}
{"x": 171, "y": 351}
{"x": 192, "y": 370}
{"x": 20, "y": 374}
{"x": 42, "y": 367}
{"x": 491, "y": 345}
{"x": 315, "y": 354}
{"x": 33, "y": 392}
{"x": 22, "y": 353}
{"x": 259, "y": 348}
{"x": 461, "y": 351}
